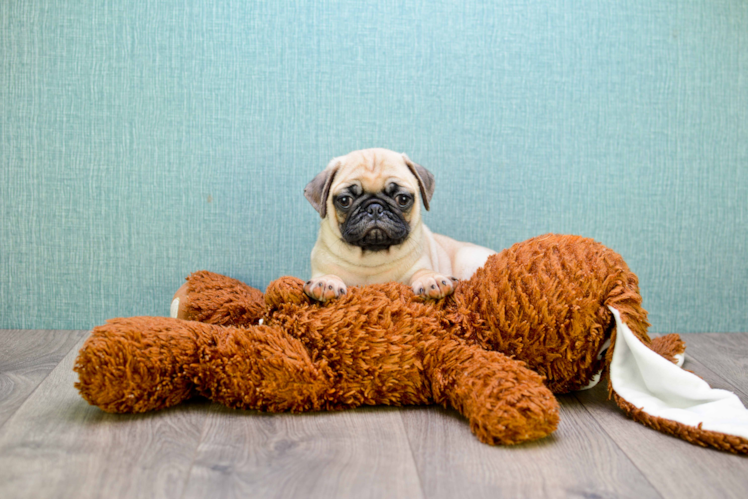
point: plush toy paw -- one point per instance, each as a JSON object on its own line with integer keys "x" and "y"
{"x": 325, "y": 288}
{"x": 433, "y": 285}
{"x": 670, "y": 347}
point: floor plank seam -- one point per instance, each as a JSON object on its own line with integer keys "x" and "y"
{"x": 412, "y": 455}
{"x": 613, "y": 441}
{"x": 41, "y": 382}
{"x": 194, "y": 456}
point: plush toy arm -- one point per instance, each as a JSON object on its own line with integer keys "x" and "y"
{"x": 216, "y": 299}
{"x": 285, "y": 290}
{"x": 505, "y": 402}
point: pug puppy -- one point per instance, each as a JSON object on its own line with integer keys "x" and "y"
{"x": 371, "y": 230}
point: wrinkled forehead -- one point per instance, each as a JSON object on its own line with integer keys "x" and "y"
{"x": 373, "y": 171}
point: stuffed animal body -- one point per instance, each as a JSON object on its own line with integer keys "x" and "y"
{"x": 534, "y": 321}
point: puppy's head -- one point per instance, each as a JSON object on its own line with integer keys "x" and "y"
{"x": 371, "y": 197}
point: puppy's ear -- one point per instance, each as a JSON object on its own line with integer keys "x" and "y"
{"x": 425, "y": 180}
{"x": 319, "y": 187}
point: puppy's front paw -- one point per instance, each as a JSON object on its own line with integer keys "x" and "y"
{"x": 432, "y": 285}
{"x": 325, "y": 287}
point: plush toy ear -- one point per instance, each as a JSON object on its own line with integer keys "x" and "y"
{"x": 661, "y": 395}
{"x": 319, "y": 187}
{"x": 425, "y": 180}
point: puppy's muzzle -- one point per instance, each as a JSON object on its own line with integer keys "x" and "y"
{"x": 374, "y": 227}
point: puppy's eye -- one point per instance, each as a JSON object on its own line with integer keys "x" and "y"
{"x": 403, "y": 200}
{"x": 345, "y": 201}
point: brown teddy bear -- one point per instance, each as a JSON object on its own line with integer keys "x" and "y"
{"x": 536, "y": 320}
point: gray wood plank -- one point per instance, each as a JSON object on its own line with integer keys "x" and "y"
{"x": 56, "y": 445}
{"x": 361, "y": 453}
{"x": 676, "y": 468}
{"x": 726, "y": 354}
{"x": 578, "y": 460}
{"x": 26, "y": 358}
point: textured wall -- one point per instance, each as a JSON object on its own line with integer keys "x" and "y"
{"x": 140, "y": 141}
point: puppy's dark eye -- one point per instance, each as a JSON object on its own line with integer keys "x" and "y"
{"x": 403, "y": 200}
{"x": 345, "y": 201}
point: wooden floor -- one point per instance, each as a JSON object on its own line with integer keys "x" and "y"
{"x": 53, "y": 444}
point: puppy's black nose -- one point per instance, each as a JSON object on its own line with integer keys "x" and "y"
{"x": 375, "y": 210}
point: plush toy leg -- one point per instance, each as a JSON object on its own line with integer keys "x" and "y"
{"x": 659, "y": 394}
{"x": 133, "y": 365}
{"x": 505, "y": 402}
{"x": 216, "y": 299}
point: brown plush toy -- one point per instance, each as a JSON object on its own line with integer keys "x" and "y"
{"x": 534, "y": 321}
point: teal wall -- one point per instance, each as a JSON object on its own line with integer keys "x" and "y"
{"x": 140, "y": 141}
